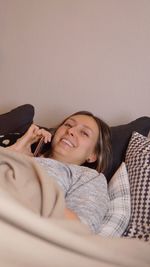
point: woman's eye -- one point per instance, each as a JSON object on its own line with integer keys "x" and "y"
{"x": 85, "y": 133}
{"x": 67, "y": 124}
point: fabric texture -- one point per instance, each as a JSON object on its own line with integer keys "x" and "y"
{"x": 85, "y": 190}
{"x": 138, "y": 166}
{"x": 120, "y": 137}
{"x": 117, "y": 218}
{"x": 34, "y": 234}
{"x": 22, "y": 178}
{"x": 17, "y": 120}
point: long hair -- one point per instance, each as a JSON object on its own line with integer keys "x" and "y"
{"x": 103, "y": 145}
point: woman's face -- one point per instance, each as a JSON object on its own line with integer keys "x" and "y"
{"x": 75, "y": 140}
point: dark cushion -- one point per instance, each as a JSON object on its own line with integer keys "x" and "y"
{"x": 120, "y": 136}
{"x": 14, "y": 123}
{"x": 8, "y": 139}
{"x": 17, "y": 120}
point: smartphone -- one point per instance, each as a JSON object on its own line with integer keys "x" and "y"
{"x": 41, "y": 143}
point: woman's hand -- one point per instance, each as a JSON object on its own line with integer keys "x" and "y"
{"x": 33, "y": 134}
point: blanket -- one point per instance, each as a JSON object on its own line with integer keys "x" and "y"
{"x": 35, "y": 233}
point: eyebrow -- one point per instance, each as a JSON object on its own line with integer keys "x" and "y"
{"x": 85, "y": 126}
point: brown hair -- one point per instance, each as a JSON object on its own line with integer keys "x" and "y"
{"x": 103, "y": 145}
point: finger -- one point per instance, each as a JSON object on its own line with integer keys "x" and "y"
{"x": 48, "y": 137}
{"x": 33, "y": 128}
{"x": 45, "y": 134}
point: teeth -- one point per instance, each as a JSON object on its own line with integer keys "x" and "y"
{"x": 67, "y": 142}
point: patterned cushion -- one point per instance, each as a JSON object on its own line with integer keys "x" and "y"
{"x": 118, "y": 215}
{"x": 138, "y": 166}
{"x": 120, "y": 137}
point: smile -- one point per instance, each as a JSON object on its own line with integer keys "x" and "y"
{"x": 68, "y": 142}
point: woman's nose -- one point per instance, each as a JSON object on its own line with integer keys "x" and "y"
{"x": 71, "y": 131}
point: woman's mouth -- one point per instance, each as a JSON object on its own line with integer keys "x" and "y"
{"x": 68, "y": 142}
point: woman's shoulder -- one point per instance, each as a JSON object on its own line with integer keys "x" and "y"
{"x": 85, "y": 178}
{"x": 48, "y": 162}
{"x": 85, "y": 171}
{"x": 75, "y": 170}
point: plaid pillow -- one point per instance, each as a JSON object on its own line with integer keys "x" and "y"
{"x": 138, "y": 166}
{"x": 117, "y": 218}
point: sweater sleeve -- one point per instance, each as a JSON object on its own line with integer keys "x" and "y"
{"x": 90, "y": 202}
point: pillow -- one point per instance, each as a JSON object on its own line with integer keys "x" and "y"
{"x": 138, "y": 166}
{"x": 8, "y": 139}
{"x": 17, "y": 120}
{"x": 117, "y": 218}
{"x": 120, "y": 136}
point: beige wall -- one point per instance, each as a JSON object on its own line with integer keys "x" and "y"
{"x": 67, "y": 55}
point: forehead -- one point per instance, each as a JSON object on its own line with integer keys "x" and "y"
{"x": 86, "y": 121}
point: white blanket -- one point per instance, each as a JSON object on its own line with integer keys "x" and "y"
{"x": 34, "y": 233}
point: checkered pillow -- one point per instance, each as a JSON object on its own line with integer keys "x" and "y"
{"x": 118, "y": 215}
{"x": 138, "y": 166}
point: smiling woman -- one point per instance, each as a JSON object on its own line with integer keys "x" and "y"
{"x": 80, "y": 141}
{"x": 89, "y": 128}
{"x": 75, "y": 140}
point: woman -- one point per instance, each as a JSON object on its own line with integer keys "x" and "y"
{"x": 80, "y": 140}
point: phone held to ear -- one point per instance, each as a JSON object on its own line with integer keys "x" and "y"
{"x": 41, "y": 144}
{"x": 39, "y": 147}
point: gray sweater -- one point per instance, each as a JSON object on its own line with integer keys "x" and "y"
{"x": 85, "y": 190}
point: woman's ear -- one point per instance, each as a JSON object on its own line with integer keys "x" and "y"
{"x": 92, "y": 158}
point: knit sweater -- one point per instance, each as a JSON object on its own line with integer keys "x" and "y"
{"x": 85, "y": 190}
